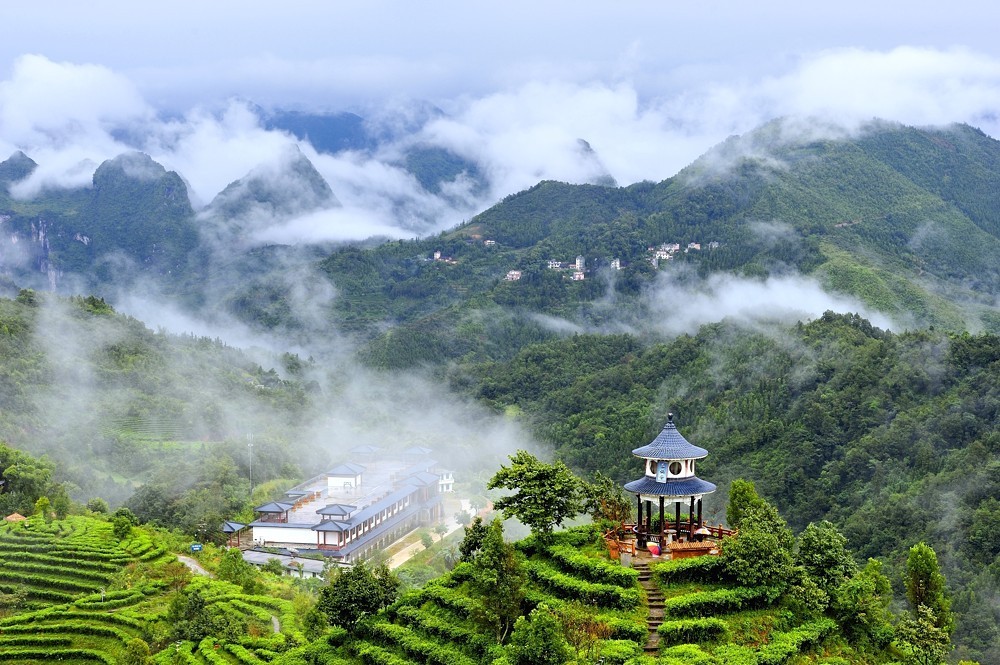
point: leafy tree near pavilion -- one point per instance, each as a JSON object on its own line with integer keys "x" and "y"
{"x": 544, "y": 494}
{"x": 822, "y": 552}
{"x": 497, "y": 582}
{"x": 760, "y": 554}
{"x": 861, "y": 607}
{"x": 357, "y": 592}
{"x": 606, "y": 500}
{"x": 742, "y": 498}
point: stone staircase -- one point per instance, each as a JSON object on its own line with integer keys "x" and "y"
{"x": 654, "y": 598}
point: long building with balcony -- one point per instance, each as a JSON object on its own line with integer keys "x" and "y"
{"x": 356, "y": 508}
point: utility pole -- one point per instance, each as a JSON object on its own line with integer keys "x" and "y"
{"x": 250, "y": 449}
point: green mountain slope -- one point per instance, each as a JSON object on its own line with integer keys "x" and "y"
{"x": 899, "y": 218}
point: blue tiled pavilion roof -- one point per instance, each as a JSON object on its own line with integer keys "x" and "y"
{"x": 669, "y": 444}
{"x": 232, "y": 527}
{"x": 680, "y": 487}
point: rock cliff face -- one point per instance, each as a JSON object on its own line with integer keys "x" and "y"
{"x": 25, "y": 250}
{"x": 136, "y": 217}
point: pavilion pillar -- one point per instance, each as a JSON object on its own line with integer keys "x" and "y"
{"x": 691, "y": 521}
{"x": 662, "y": 525}
{"x": 677, "y": 519}
{"x": 699, "y": 513}
{"x": 649, "y": 517}
{"x": 638, "y": 522}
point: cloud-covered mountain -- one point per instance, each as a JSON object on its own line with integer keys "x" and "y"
{"x": 269, "y": 194}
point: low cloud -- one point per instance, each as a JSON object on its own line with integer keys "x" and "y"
{"x": 70, "y": 117}
{"x": 681, "y": 303}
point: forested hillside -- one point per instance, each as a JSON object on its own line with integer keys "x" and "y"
{"x": 118, "y": 404}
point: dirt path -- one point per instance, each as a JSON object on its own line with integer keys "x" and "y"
{"x": 193, "y": 565}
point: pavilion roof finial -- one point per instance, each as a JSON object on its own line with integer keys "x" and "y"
{"x": 670, "y": 417}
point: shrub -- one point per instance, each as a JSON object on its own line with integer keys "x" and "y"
{"x": 618, "y": 651}
{"x": 695, "y": 569}
{"x": 592, "y": 569}
{"x": 567, "y": 586}
{"x": 692, "y": 630}
{"x": 686, "y": 654}
{"x": 720, "y": 601}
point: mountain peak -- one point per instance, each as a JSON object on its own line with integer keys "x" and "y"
{"x": 134, "y": 165}
{"x": 17, "y": 167}
{"x": 284, "y": 188}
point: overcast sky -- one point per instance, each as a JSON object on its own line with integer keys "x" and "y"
{"x": 651, "y": 85}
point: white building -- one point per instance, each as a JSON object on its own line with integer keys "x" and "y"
{"x": 354, "y": 510}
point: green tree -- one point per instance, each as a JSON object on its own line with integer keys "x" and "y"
{"x": 760, "y": 554}
{"x": 538, "y": 639}
{"x": 233, "y": 568}
{"x": 97, "y": 505}
{"x": 544, "y": 494}
{"x": 25, "y": 480}
{"x": 136, "y": 653}
{"x": 273, "y": 566}
{"x": 606, "y": 500}
{"x": 925, "y": 586}
{"x": 190, "y": 617}
{"x": 427, "y": 540}
{"x": 921, "y": 639}
{"x": 475, "y": 533}
{"x": 757, "y": 555}
{"x": 742, "y": 498}
{"x": 357, "y": 592}
{"x": 582, "y": 630}
{"x": 861, "y": 607}
{"x": 122, "y": 522}
{"x": 822, "y": 552}
{"x": 497, "y": 582}
{"x": 43, "y": 507}
{"x": 61, "y": 504}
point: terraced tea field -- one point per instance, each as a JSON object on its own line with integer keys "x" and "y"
{"x": 56, "y": 577}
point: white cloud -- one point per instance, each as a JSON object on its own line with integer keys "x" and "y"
{"x": 681, "y": 305}
{"x": 64, "y": 115}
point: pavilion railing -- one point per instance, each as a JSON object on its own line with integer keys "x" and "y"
{"x": 682, "y": 531}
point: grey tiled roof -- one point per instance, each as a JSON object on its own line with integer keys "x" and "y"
{"x": 274, "y": 507}
{"x": 669, "y": 444}
{"x": 680, "y": 487}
